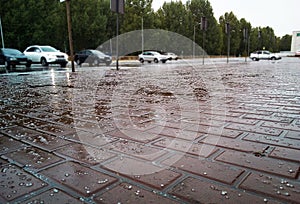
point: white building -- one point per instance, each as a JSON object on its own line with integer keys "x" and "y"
{"x": 295, "y": 41}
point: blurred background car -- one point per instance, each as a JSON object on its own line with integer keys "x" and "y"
{"x": 92, "y": 57}
{"x": 12, "y": 57}
{"x": 264, "y": 55}
{"x": 46, "y": 55}
{"x": 152, "y": 56}
{"x": 171, "y": 56}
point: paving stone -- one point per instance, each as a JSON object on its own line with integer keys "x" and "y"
{"x": 158, "y": 180}
{"x": 285, "y": 126}
{"x": 282, "y": 142}
{"x": 90, "y": 138}
{"x": 268, "y": 118}
{"x": 134, "y": 135}
{"x": 45, "y": 141}
{"x": 234, "y": 144}
{"x": 79, "y": 178}
{"x": 85, "y": 153}
{"x": 19, "y": 132}
{"x": 185, "y": 146}
{"x": 136, "y": 149}
{"x": 178, "y": 133}
{"x": 132, "y": 167}
{"x": 293, "y": 135}
{"x": 15, "y": 182}
{"x": 205, "y": 168}
{"x": 54, "y": 196}
{"x": 286, "y": 154}
{"x": 285, "y": 190}
{"x": 9, "y": 144}
{"x": 253, "y": 129}
{"x": 33, "y": 158}
{"x": 127, "y": 193}
{"x": 265, "y": 164}
{"x": 236, "y": 120}
{"x": 194, "y": 190}
{"x": 56, "y": 130}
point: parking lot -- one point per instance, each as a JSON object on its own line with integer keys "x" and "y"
{"x": 179, "y": 132}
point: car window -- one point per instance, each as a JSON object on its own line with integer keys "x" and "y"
{"x": 259, "y": 52}
{"x": 48, "y": 49}
{"x": 32, "y": 49}
{"x": 11, "y": 52}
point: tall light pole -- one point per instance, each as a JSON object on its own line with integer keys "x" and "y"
{"x": 194, "y": 43}
{"x": 203, "y": 28}
{"x": 227, "y": 31}
{"x": 117, "y": 6}
{"x": 2, "y": 38}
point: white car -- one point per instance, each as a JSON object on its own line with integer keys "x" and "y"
{"x": 152, "y": 56}
{"x": 264, "y": 55}
{"x": 46, "y": 55}
{"x": 171, "y": 56}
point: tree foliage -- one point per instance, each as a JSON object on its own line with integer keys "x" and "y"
{"x": 93, "y": 23}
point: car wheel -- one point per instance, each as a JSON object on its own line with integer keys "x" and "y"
{"x": 96, "y": 62}
{"x": 28, "y": 65}
{"x": 108, "y": 63}
{"x": 254, "y": 59}
{"x": 273, "y": 58}
{"x": 63, "y": 65}
{"x": 7, "y": 64}
{"x": 78, "y": 62}
{"x": 44, "y": 62}
{"x": 164, "y": 61}
{"x": 156, "y": 60}
{"x": 142, "y": 60}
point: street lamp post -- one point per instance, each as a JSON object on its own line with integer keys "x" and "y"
{"x": 194, "y": 43}
{"x": 203, "y": 28}
{"x": 227, "y": 31}
{"x": 2, "y": 38}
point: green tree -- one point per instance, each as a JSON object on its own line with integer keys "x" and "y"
{"x": 137, "y": 12}
{"x": 213, "y": 40}
{"x": 244, "y": 36}
{"x": 285, "y": 43}
{"x": 235, "y": 33}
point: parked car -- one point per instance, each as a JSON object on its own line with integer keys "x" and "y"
{"x": 171, "y": 56}
{"x": 92, "y": 57}
{"x": 152, "y": 56}
{"x": 12, "y": 57}
{"x": 264, "y": 55}
{"x": 46, "y": 55}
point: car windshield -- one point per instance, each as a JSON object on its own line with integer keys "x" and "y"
{"x": 97, "y": 52}
{"x": 11, "y": 51}
{"x": 49, "y": 49}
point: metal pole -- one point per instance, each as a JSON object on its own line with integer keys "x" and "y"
{"x": 2, "y": 34}
{"x": 117, "y": 47}
{"x": 194, "y": 42}
{"x": 142, "y": 34}
{"x": 203, "y": 47}
{"x": 70, "y": 34}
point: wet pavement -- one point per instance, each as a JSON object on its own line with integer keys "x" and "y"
{"x": 179, "y": 132}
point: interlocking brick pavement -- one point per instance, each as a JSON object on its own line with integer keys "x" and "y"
{"x": 171, "y": 133}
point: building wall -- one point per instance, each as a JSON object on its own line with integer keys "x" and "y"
{"x": 295, "y": 41}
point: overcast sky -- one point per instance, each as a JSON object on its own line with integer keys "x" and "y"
{"x": 282, "y": 15}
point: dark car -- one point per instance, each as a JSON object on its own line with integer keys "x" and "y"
{"x": 12, "y": 57}
{"x": 92, "y": 57}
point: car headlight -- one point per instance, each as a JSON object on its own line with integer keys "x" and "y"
{"x": 12, "y": 58}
